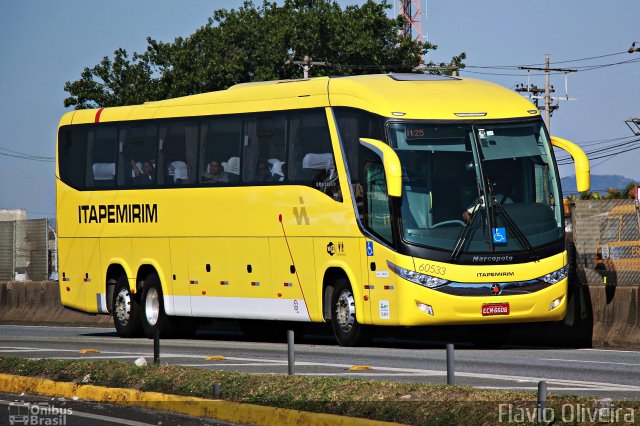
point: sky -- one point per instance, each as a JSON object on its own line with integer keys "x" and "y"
{"x": 44, "y": 44}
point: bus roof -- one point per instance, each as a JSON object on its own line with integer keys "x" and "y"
{"x": 409, "y": 96}
{"x": 623, "y": 209}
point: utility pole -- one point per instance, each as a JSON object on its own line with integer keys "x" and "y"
{"x": 547, "y": 94}
{"x": 306, "y": 65}
{"x": 548, "y": 89}
{"x": 631, "y": 122}
{"x": 634, "y": 121}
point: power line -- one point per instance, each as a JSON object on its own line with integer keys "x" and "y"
{"x": 565, "y": 162}
{"x": 6, "y": 152}
{"x": 600, "y": 141}
{"x": 578, "y": 68}
{"x": 585, "y": 59}
{"x": 608, "y": 148}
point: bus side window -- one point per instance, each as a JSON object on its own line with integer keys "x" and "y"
{"x": 101, "y": 156}
{"x": 177, "y": 152}
{"x": 220, "y": 141}
{"x": 264, "y": 147}
{"x": 311, "y": 157}
{"x": 72, "y": 155}
{"x": 630, "y": 231}
{"x": 378, "y": 212}
{"x": 137, "y": 147}
{"x": 354, "y": 124}
{"x": 610, "y": 229}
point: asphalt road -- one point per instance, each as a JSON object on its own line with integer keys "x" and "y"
{"x": 605, "y": 373}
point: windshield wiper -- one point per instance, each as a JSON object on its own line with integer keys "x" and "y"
{"x": 513, "y": 227}
{"x": 464, "y": 233}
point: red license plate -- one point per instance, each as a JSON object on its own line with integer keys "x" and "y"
{"x": 495, "y": 309}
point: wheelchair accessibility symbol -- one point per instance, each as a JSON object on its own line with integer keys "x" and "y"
{"x": 499, "y": 235}
{"x": 369, "y": 248}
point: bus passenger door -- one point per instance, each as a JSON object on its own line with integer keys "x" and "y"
{"x": 381, "y": 284}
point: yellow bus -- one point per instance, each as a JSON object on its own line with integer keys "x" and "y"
{"x": 377, "y": 200}
{"x": 618, "y": 248}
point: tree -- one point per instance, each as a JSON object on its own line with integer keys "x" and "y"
{"x": 253, "y": 44}
{"x": 628, "y": 192}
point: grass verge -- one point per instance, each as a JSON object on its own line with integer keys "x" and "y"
{"x": 418, "y": 404}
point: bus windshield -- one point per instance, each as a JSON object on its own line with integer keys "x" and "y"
{"x": 487, "y": 187}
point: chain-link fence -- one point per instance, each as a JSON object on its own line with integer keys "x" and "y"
{"x": 25, "y": 250}
{"x": 606, "y": 234}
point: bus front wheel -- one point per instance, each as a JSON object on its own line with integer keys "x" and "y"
{"x": 126, "y": 316}
{"x": 152, "y": 308}
{"x": 346, "y": 328}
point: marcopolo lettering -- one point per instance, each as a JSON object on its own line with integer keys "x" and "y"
{"x": 118, "y": 213}
{"x": 496, "y": 259}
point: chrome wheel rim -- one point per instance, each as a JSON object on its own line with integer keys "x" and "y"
{"x": 152, "y": 306}
{"x": 123, "y": 306}
{"x": 346, "y": 311}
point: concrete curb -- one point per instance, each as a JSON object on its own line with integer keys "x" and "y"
{"x": 192, "y": 406}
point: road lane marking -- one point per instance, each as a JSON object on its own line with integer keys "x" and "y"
{"x": 608, "y": 350}
{"x": 551, "y": 388}
{"x": 226, "y": 364}
{"x": 589, "y": 362}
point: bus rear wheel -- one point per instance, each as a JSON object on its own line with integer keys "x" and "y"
{"x": 345, "y": 326}
{"x": 152, "y": 313}
{"x": 125, "y": 309}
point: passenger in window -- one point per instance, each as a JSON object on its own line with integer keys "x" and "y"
{"x": 179, "y": 172}
{"x": 263, "y": 173}
{"x": 144, "y": 177}
{"x": 277, "y": 170}
{"x": 215, "y": 173}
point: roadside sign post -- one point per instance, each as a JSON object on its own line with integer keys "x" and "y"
{"x": 451, "y": 378}
{"x": 542, "y": 400}
{"x": 156, "y": 346}
{"x": 291, "y": 353}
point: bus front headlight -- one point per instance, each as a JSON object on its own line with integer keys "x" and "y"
{"x": 416, "y": 277}
{"x": 556, "y": 276}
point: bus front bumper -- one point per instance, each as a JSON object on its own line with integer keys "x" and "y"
{"x": 424, "y": 306}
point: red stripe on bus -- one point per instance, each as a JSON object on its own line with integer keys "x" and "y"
{"x": 98, "y": 113}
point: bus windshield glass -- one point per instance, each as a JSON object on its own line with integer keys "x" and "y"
{"x": 486, "y": 187}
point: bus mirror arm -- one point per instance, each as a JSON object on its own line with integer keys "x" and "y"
{"x": 580, "y": 160}
{"x": 391, "y": 163}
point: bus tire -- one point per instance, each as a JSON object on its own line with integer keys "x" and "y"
{"x": 152, "y": 314}
{"x": 125, "y": 309}
{"x": 346, "y": 329}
